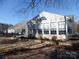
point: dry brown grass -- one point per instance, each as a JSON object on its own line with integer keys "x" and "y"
{"x": 16, "y": 45}
{"x": 9, "y": 45}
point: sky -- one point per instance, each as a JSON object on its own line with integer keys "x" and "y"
{"x": 9, "y": 10}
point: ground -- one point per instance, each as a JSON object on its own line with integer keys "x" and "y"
{"x": 35, "y": 49}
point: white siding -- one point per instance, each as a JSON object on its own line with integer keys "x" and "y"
{"x": 54, "y": 22}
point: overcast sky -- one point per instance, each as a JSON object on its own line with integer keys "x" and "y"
{"x": 9, "y": 8}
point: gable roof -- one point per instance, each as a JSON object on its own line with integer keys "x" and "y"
{"x": 45, "y": 12}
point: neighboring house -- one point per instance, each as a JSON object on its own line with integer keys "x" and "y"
{"x": 19, "y": 28}
{"x": 4, "y": 27}
{"x": 11, "y": 29}
{"x": 48, "y": 25}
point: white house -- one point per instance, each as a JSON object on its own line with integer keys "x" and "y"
{"x": 48, "y": 25}
{"x": 19, "y": 28}
{"x": 11, "y": 30}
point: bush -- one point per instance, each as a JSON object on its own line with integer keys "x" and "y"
{"x": 31, "y": 36}
{"x": 46, "y": 39}
{"x": 42, "y": 40}
{"x": 54, "y": 39}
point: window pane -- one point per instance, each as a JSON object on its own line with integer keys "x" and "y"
{"x": 46, "y": 31}
{"x": 34, "y": 31}
{"x": 62, "y": 31}
{"x": 39, "y": 31}
{"x": 40, "y": 26}
{"x": 34, "y": 26}
{"x": 61, "y": 24}
{"x": 53, "y": 25}
{"x": 53, "y": 31}
{"x": 46, "y": 26}
{"x": 69, "y": 30}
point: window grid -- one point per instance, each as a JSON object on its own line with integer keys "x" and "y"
{"x": 53, "y": 31}
{"x": 46, "y": 31}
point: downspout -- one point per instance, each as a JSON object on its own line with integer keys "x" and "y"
{"x": 66, "y": 27}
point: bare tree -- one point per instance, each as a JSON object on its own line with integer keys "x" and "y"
{"x": 32, "y": 4}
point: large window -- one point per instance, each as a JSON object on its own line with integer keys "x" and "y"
{"x": 46, "y": 28}
{"x": 46, "y": 25}
{"x": 62, "y": 28}
{"x": 39, "y": 31}
{"x": 53, "y": 27}
{"x": 62, "y": 31}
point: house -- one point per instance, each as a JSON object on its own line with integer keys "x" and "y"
{"x": 19, "y": 28}
{"x": 48, "y": 25}
{"x": 11, "y": 30}
{"x": 4, "y": 27}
